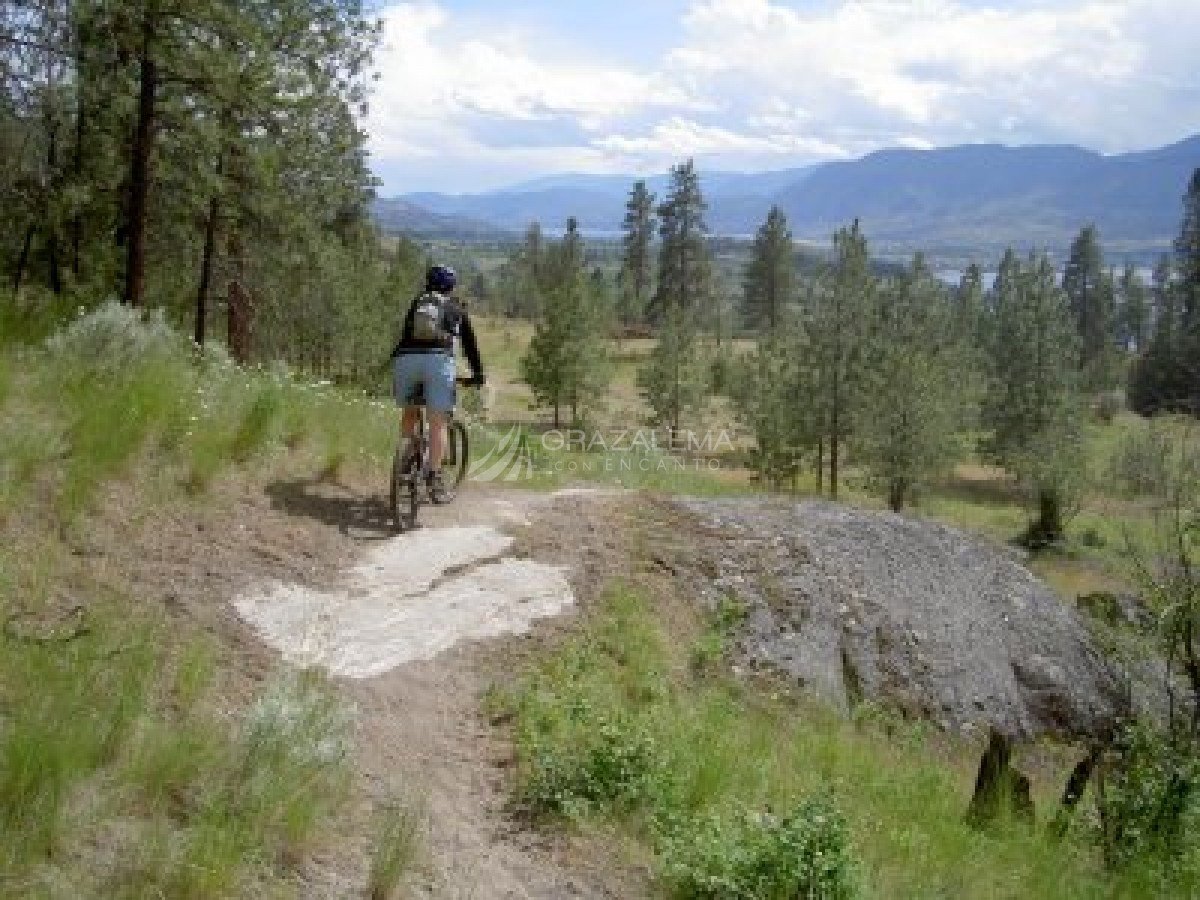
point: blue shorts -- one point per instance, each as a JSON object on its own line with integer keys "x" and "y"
{"x": 432, "y": 371}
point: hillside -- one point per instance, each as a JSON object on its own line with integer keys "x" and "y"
{"x": 979, "y": 195}
{"x": 396, "y": 215}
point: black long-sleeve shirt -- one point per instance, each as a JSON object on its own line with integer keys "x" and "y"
{"x": 458, "y": 327}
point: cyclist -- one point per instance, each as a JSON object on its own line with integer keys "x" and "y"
{"x": 424, "y": 359}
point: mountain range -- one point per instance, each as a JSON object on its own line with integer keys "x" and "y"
{"x": 970, "y": 196}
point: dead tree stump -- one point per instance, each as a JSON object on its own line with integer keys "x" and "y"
{"x": 999, "y": 788}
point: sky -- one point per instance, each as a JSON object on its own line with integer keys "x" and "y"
{"x": 475, "y": 95}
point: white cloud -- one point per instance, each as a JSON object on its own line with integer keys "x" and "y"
{"x": 755, "y": 83}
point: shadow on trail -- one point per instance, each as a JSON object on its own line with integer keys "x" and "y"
{"x": 353, "y": 514}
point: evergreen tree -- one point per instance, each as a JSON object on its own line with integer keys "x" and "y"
{"x": 1007, "y": 273}
{"x": 836, "y": 327}
{"x": 769, "y": 278}
{"x": 771, "y": 386}
{"x": 1090, "y": 296}
{"x": 969, "y": 313}
{"x": 1135, "y": 310}
{"x": 1032, "y": 402}
{"x": 636, "y": 273}
{"x": 684, "y": 262}
{"x": 1187, "y": 253}
{"x": 1167, "y": 376}
{"x": 913, "y": 404}
{"x": 566, "y": 362}
{"x": 673, "y": 380}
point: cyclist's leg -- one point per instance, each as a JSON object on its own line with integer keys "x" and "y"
{"x": 439, "y": 398}
{"x": 407, "y": 377}
{"x": 410, "y": 422}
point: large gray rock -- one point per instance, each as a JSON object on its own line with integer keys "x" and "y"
{"x": 863, "y": 605}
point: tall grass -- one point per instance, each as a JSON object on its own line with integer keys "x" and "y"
{"x": 112, "y": 387}
{"x": 121, "y": 773}
{"x": 109, "y": 736}
{"x": 395, "y": 847}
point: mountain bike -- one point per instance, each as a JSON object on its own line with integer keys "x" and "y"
{"x": 408, "y": 488}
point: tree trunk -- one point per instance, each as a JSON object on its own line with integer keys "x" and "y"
{"x": 1048, "y": 528}
{"x": 833, "y": 458}
{"x": 139, "y": 170}
{"x": 999, "y": 788}
{"x": 23, "y": 258}
{"x": 1073, "y": 792}
{"x": 897, "y": 493}
{"x": 51, "y": 230}
{"x": 239, "y": 302}
{"x": 80, "y": 114}
{"x": 206, "y": 264}
{"x": 820, "y": 465}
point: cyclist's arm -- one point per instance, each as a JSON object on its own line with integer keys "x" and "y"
{"x": 471, "y": 348}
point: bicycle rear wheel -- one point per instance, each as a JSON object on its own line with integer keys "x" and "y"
{"x": 405, "y": 497}
{"x": 458, "y": 455}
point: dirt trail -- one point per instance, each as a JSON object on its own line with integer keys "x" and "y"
{"x": 398, "y": 628}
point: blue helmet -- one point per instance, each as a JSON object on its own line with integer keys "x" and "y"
{"x": 441, "y": 279}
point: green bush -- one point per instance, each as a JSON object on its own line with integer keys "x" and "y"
{"x": 1149, "y": 801}
{"x": 803, "y": 854}
{"x": 588, "y": 758}
{"x": 1138, "y": 466}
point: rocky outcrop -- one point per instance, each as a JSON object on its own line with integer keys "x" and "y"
{"x": 858, "y": 605}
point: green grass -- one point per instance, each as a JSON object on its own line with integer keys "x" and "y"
{"x": 395, "y": 847}
{"x": 124, "y": 770}
{"x": 620, "y": 725}
{"x": 110, "y": 739}
{"x": 89, "y": 406}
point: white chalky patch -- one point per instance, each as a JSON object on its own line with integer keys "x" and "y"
{"x": 400, "y": 604}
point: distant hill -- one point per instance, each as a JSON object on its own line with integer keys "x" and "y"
{"x": 400, "y": 216}
{"x": 598, "y": 201}
{"x": 977, "y": 195}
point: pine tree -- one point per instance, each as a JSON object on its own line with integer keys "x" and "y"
{"x": 836, "y": 327}
{"x": 1135, "y": 310}
{"x": 566, "y": 362}
{"x": 1167, "y": 376}
{"x": 769, "y": 278}
{"x": 1187, "y": 253}
{"x": 969, "y": 313}
{"x": 636, "y": 273}
{"x": 684, "y": 262}
{"x": 673, "y": 380}
{"x": 1091, "y": 300}
{"x": 913, "y": 405}
{"x": 1032, "y": 403}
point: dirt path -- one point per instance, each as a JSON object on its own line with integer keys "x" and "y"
{"x": 399, "y": 628}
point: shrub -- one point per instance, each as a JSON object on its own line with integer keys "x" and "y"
{"x": 1108, "y": 405}
{"x": 745, "y": 856}
{"x": 112, "y": 340}
{"x": 588, "y": 758}
{"x": 1139, "y": 463}
{"x": 1149, "y": 798}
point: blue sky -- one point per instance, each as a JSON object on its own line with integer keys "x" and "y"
{"x": 474, "y": 95}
